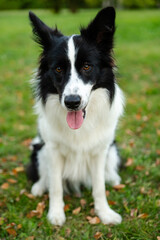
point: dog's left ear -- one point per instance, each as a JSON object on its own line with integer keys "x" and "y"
{"x": 101, "y": 29}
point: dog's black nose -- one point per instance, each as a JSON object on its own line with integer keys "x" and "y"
{"x": 72, "y": 101}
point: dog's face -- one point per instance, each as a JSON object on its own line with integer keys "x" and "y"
{"x": 73, "y": 67}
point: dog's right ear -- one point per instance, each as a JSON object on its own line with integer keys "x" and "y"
{"x": 43, "y": 34}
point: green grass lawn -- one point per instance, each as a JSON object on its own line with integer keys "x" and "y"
{"x": 137, "y": 52}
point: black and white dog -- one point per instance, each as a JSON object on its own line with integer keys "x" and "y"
{"x": 76, "y": 89}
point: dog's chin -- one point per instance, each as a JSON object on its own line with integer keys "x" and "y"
{"x": 75, "y": 118}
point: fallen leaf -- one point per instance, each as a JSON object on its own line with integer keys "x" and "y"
{"x": 129, "y": 162}
{"x": 138, "y": 116}
{"x": 68, "y": 232}
{"x": 5, "y": 186}
{"x": 11, "y": 231}
{"x": 142, "y": 190}
{"x": 32, "y": 214}
{"x": 92, "y": 212}
{"x": 107, "y": 193}
{"x": 158, "y": 151}
{"x": 12, "y": 158}
{"x": 93, "y": 220}
{"x": 29, "y": 195}
{"x": 157, "y": 162}
{"x": 66, "y": 207}
{"x": 30, "y": 238}
{"x": 119, "y": 187}
{"x": 27, "y": 142}
{"x": 38, "y": 212}
{"x": 19, "y": 226}
{"x": 158, "y": 132}
{"x": 140, "y": 168}
{"x": 109, "y": 235}
{"x": 17, "y": 170}
{"x": 76, "y": 211}
{"x": 110, "y": 202}
{"x": 98, "y": 235}
{"x": 12, "y": 181}
{"x": 143, "y": 215}
{"x": 40, "y": 209}
{"x": 83, "y": 202}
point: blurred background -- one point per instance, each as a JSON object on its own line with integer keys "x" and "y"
{"x": 57, "y": 5}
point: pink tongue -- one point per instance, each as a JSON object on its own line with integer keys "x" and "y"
{"x": 75, "y": 119}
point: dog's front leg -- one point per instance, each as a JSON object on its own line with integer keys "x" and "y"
{"x": 102, "y": 209}
{"x": 56, "y": 205}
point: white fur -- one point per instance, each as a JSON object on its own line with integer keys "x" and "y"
{"x": 82, "y": 155}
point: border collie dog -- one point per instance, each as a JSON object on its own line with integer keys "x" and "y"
{"x": 78, "y": 104}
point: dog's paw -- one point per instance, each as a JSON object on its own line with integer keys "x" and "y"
{"x": 109, "y": 217}
{"x": 37, "y": 190}
{"x": 56, "y": 217}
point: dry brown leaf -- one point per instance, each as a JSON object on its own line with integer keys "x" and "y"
{"x": 107, "y": 193}
{"x": 17, "y": 170}
{"x": 158, "y": 151}
{"x": 29, "y": 195}
{"x": 32, "y": 214}
{"x": 83, "y": 202}
{"x": 138, "y": 116}
{"x": 40, "y": 209}
{"x": 109, "y": 235}
{"x": 11, "y": 232}
{"x": 27, "y": 142}
{"x": 157, "y": 162}
{"x": 13, "y": 158}
{"x": 119, "y": 187}
{"x": 68, "y": 232}
{"x": 19, "y": 226}
{"x": 92, "y": 212}
{"x": 158, "y": 132}
{"x": 12, "y": 181}
{"x": 143, "y": 215}
{"x": 142, "y": 190}
{"x": 140, "y": 168}
{"x": 129, "y": 162}
{"x": 38, "y": 212}
{"x": 76, "y": 211}
{"x": 5, "y": 186}
{"x": 66, "y": 207}
{"x": 93, "y": 220}
{"x": 111, "y": 202}
{"x": 30, "y": 238}
{"x": 98, "y": 235}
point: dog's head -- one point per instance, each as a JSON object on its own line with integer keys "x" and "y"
{"x": 74, "y": 66}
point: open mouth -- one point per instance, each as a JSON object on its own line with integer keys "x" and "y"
{"x": 76, "y": 118}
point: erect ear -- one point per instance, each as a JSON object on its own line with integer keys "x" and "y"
{"x": 43, "y": 34}
{"x": 101, "y": 29}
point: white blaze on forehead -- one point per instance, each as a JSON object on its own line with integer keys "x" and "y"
{"x": 71, "y": 51}
{"x": 75, "y": 84}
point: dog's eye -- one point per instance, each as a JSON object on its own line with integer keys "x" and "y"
{"x": 86, "y": 67}
{"x": 59, "y": 69}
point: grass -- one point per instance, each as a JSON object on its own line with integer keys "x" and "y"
{"x": 137, "y": 52}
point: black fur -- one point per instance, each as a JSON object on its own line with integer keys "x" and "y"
{"x": 32, "y": 169}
